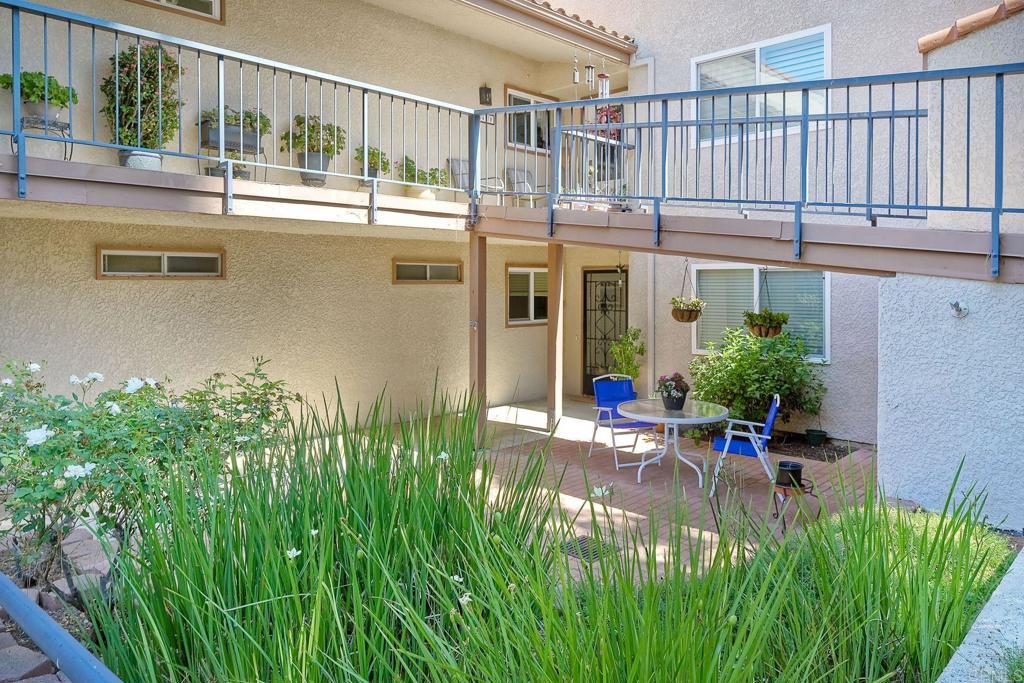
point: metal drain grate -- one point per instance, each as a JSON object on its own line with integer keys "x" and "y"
{"x": 586, "y": 548}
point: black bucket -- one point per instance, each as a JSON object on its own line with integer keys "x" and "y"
{"x": 790, "y": 474}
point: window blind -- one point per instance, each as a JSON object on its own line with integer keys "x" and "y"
{"x": 801, "y": 293}
{"x": 728, "y": 293}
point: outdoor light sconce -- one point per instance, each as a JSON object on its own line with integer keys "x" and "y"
{"x": 485, "y": 95}
{"x": 959, "y": 311}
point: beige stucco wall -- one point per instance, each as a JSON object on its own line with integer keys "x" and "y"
{"x": 347, "y": 38}
{"x": 320, "y": 307}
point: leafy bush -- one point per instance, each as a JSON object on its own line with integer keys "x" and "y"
{"x": 376, "y": 159}
{"x": 688, "y": 303}
{"x": 68, "y": 461}
{"x": 143, "y": 90}
{"x": 36, "y": 86}
{"x": 765, "y": 318}
{"x": 368, "y": 552}
{"x": 310, "y": 134}
{"x": 248, "y": 118}
{"x": 747, "y": 371}
{"x": 626, "y": 352}
{"x": 407, "y": 172}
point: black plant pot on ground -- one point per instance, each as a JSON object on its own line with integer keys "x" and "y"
{"x": 673, "y": 403}
{"x": 815, "y": 437}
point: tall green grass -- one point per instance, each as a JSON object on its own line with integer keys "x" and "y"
{"x": 411, "y": 562}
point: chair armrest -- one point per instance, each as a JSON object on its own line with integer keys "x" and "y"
{"x": 748, "y": 423}
{"x": 745, "y": 435}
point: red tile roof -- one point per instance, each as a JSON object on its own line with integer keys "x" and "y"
{"x": 969, "y": 24}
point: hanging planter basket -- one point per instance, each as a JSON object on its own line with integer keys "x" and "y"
{"x": 765, "y": 331}
{"x": 686, "y": 315}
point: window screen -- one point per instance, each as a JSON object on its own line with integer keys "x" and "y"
{"x": 728, "y": 293}
{"x": 801, "y": 293}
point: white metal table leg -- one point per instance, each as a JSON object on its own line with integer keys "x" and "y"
{"x": 698, "y": 469}
{"x": 657, "y": 457}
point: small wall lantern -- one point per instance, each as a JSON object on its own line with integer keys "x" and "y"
{"x": 485, "y": 95}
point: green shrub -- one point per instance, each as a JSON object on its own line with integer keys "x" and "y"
{"x": 68, "y": 461}
{"x": 310, "y": 134}
{"x": 626, "y": 352}
{"x": 409, "y": 173}
{"x": 36, "y": 86}
{"x": 143, "y": 90}
{"x": 746, "y": 371}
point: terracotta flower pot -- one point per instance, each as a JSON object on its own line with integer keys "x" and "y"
{"x": 686, "y": 315}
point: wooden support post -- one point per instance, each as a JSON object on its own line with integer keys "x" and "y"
{"x": 478, "y": 320}
{"x": 556, "y": 331}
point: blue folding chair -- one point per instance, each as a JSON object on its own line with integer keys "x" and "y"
{"x": 610, "y": 391}
{"x": 742, "y": 438}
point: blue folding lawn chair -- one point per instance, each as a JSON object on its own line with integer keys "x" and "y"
{"x": 610, "y": 391}
{"x": 743, "y": 438}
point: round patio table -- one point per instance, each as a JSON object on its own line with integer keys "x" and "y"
{"x": 694, "y": 413}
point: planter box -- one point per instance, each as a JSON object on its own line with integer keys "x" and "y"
{"x": 238, "y": 173}
{"x": 235, "y": 139}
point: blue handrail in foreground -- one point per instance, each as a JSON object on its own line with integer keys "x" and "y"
{"x": 73, "y": 660}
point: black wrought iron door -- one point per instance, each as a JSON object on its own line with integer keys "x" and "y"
{"x": 605, "y": 298}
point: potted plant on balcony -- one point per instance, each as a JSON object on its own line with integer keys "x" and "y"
{"x": 238, "y": 171}
{"x": 243, "y": 132}
{"x": 673, "y": 389}
{"x": 142, "y": 103}
{"x": 377, "y": 162}
{"x": 433, "y": 177}
{"x": 765, "y": 323}
{"x": 314, "y": 143}
{"x": 686, "y": 309}
{"x": 42, "y": 96}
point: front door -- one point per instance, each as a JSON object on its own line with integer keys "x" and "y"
{"x": 605, "y": 297}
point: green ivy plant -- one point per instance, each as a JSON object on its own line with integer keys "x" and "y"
{"x": 72, "y": 461}
{"x": 376, "y": 159}
{"x": 249, "y": 119}
{"x": 627, "y": 351}
{"x": 310, "y": 134}
{"x": 409, "y": 173}
{"x": 765, "y": 318}
{"x": 746, "y": 371}
{"x": 143, "y": 90}
{"x": 38, "y": 87}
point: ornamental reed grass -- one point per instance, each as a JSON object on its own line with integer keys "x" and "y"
{"x": 361, "y": 551}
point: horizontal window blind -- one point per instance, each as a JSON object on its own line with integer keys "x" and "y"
{"x": 801, "y": 293}
{"x": 728, "y": 293}
{"x": 800, "y": 59}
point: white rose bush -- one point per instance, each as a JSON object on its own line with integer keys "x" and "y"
{"x": 66, "y": 461}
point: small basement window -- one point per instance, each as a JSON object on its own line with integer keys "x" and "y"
{"x": 414, "y": 272}
{"x": 155, "y": 263}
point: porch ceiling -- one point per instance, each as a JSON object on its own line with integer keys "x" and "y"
{"x": 507, "y": 25}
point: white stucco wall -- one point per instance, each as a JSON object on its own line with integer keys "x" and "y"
{"x": 951, "y": 389}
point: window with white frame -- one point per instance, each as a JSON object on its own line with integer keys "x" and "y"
{"x": 527, "y": 295}
{"x": 424, "y": 271}
{"x": 156, "y": 263}
{"x": 731, "y": 290}
{"x": 530, "y": 129}
{"x": 803, "y": 56}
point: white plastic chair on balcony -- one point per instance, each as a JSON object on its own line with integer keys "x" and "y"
{"x": 609, "y": 391}
{"x": 520, "y": 181}
{"x": 459, "y": 171}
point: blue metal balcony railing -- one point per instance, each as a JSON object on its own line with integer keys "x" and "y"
{"x": 891, "y": 146}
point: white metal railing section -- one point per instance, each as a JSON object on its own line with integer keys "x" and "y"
{"x": 887, "y": 146}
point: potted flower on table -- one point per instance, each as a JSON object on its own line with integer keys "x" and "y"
{"x": 673, "y": 389}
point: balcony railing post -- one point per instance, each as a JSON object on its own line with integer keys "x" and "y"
{"x": 663, "y": 182}
{"x": 16, "y": 126}
{"x": 805, "y": 99}
{"x": 997, "y": 199}
{"x": 366, "y": 134}
{"x": 474, "y": 169}
{"x": 555, "y": 172}
{"x": 220, "y": 110}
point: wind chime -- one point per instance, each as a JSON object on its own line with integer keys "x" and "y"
{"x": 687, "y": 309}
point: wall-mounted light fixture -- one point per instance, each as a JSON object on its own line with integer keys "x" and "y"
{"x": 485, "y": 95}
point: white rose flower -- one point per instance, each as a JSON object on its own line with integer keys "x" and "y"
{"x": 113, "y": 408}
{"x": 94, "y": 377}
{"x": 151, "y": 382}
{"x": 74, "y": 379}
{"x": 7, "y": 382}
{"x": 34, "y": 367}
{"x": 35, "y": 437}
{"x": 133, "y": 385}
